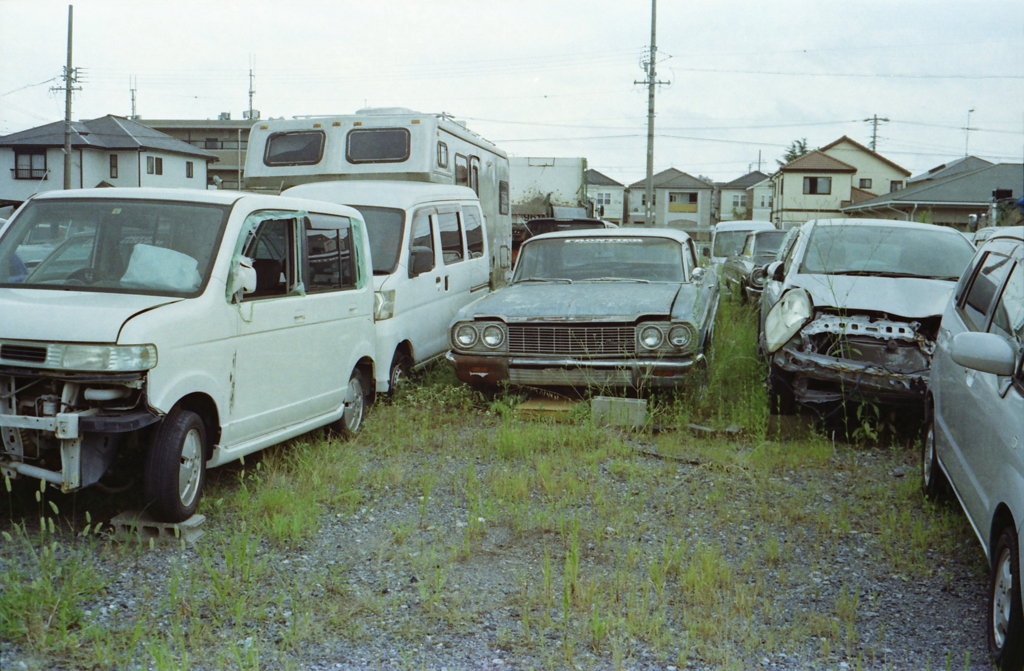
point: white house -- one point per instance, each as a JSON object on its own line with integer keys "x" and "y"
{"x": 680, "y": 201}
{"x": 761, "y": 198}
{"x": 108, "y": 151}
{"x": 607, "y": 196}
{"x": 735, "y": 200}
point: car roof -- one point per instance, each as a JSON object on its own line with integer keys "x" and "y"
{"x": 621, "y": 232}
{"x": 1011, "y": 232}
{"x": 381, "y": 193}
{"x": 896, "y": 223}
{"x": 745, "y": 225}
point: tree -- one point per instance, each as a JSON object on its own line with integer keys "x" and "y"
{"x": 796, "y": 149}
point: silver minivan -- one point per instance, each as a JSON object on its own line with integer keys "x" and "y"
{"x": 974, "y": 440}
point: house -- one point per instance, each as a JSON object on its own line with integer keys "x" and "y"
{"x": 607, "y": 196}
{"x": 947, "y": 200}
{"x": 821, "y": 182}
{"x": 965, "y": 164}
{"x": 108, "y": 151}
{"x": 760, "y": 199}
{"x": 680, "y": 201}
{"x": 734, "y": 199}
{"x": 226, "y": 138}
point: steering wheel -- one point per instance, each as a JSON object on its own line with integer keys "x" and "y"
{"x": 87, "y": 275}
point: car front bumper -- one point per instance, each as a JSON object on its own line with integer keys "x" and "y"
{"x": 818, "y": 378}
{"x": 572, "y": 371}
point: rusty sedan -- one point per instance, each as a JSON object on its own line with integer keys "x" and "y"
{"x": 605, "y": 308}
{"x": 852, "y": 310}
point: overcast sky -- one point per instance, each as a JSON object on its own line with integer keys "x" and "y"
{"x": 553, "y": 77}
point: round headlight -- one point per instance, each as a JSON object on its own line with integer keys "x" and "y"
{"x": 493, "y": 336}
{"x": 757, "y": 278}
{"x": 651, "y": 337}
{"x": 466, "y": 335}
{"x": 681, "y": 336}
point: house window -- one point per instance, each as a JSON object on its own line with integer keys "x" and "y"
{"x": 654, "y": 199}
{"x": 212, "y": 143}
{"x": 29, "y": 165}
{"x": 154, "y": 165}
{"x": 113, "y": 166}
{"x": 682, "y": 197}
{"x": 865, "y": 183}
{"x": 739, "y": 200}
{"x": 818, "y": 185}
{"x": 188, "y": 169}
{"x": 895, "y": 185}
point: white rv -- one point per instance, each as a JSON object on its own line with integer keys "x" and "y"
{"x": 430, "y": 257}
{"x": 393, "y": 144}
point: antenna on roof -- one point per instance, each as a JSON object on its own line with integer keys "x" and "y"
{"x": 132, "y": 84}
{"x": 251, "y": 113}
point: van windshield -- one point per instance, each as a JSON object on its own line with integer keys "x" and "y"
{"x": 384, "y": 227}
{"x": 165, "y": 248}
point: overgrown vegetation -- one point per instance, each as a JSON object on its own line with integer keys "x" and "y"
{"x": 553, "y": 541}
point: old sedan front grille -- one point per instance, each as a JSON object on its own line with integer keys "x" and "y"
{"x": 571, "y": 340}
{"x": 26, "y": 353}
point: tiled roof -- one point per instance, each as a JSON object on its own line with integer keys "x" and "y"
{"x": 972, "y": 188}
{"x": 108, "y": 132}
{"x": 953, "y": 167}
{"x": 672, "y": 179}
{"x": 595, "y": 178}
{"x": 817, "y": 161}
{"x": 747, "y": 181}
{"x": 864, "y": 149}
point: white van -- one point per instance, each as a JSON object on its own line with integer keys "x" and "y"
{"x": 727, "y": 239}
{"x": 173, "y": 330}
{"x": 430, "y": 257}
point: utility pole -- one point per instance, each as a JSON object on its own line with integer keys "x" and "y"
{"x": 874, "y": 121}
{"x": 651, "y": 82}
{"x": 967, "y": 131}
{"x": 70, "y": 79}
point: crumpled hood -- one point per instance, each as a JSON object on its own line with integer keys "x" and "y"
{"x": 909, "y": 297}
{"x": 69, "y": 316}
{"x": 597, "y": 301}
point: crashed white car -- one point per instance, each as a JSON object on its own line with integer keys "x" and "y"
{"x": 852, "y": 308}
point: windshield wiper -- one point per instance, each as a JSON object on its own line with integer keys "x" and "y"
{"x": 616, "y": 279}
{"x": 544, "y": 279}
{"x": 880, "y": 273}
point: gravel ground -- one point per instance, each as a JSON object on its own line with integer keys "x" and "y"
{"x": 365, "y": 592}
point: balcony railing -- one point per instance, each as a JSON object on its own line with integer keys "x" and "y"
{"x": 30, "y": 173}
{"x": 219, "y": 144}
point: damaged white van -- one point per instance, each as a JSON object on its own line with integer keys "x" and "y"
{"x": 167, "y": 331}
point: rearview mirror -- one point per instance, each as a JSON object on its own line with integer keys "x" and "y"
{"x": 421, "y": 260}
{"x": 243, "y": 278}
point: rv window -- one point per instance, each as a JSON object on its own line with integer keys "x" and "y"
{"x": 377, "y": 145}
{"x": 451, "y": 237}
{"x": 329, "y": 262}
{"x": 474, "y": 174}
{"x": 304, "y": 147}
{"x": 474, "y": 232}
{"x": 461, "y": 170}
{"x": 502, "y": 197}
{"x": 384, "y": 226}
{"x": 442, "y": 155}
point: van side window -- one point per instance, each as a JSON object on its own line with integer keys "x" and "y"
{"x": 421, "y": 243}
{"x": 451, "y": 237}
{"x": 461, "y": 170}
{"x": 329, "y": 257}
{"x": 977, "y": 304}
{"x": 272, "y": 252}
{"x": 1008, "y": 316}
{"x": 474, "y": 232}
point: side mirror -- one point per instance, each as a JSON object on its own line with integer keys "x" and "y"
{"x": 421, "y": 260}
{"x": 986, "y": 352}
{"x": 775, "y": 271}
{"x": 698, "y": 274}
{"x": 243, "y": 278}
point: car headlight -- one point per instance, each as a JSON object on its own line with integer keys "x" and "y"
{"x": 787, "y": 317}
{"x": 493, "y": 336}
{"x": 757, "y": 278}
{"x": 466, "y": 335}
{"x": 109, "y": 358}
{"x": 682, "y": 336}
{"x": 651, "y": 337}
{"x": 383, "y": 305}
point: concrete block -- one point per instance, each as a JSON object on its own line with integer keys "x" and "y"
{"x": 612, "y": 411}
{"x": 129, "y": 524}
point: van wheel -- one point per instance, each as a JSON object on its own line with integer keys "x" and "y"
{"x": 401, "y": 365}
{"x": 175, "y": 467}
{"x": 933, "y": 480}
{"x": 1005, "y": 620}
{"x": 351, "y": 422}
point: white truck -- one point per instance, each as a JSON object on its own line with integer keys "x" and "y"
{"x": 547, "y": 187}
{"x": 435, "y": 197}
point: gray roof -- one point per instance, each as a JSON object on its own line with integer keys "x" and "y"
{"x": 747, "y": 181}
{"x": 953, "y": 167}
{"x": 673, "y": 179}
{"x": 973, "y": 188}
{"x": 595, "y": 178}
{"x": 105, "y": 133}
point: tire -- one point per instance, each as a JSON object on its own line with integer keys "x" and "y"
{"x": 175, "y": 469}
{"x": 781, "y": 400}
{"x": 351, "y": 421}
{"x": 933, "y": 480}
{"x": 1005, "y": 619}
{"x": 401, "y": 366}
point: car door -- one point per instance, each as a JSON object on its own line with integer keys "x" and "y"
{"x": 969, "y": 403}
{"x": 420, "y": 299}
